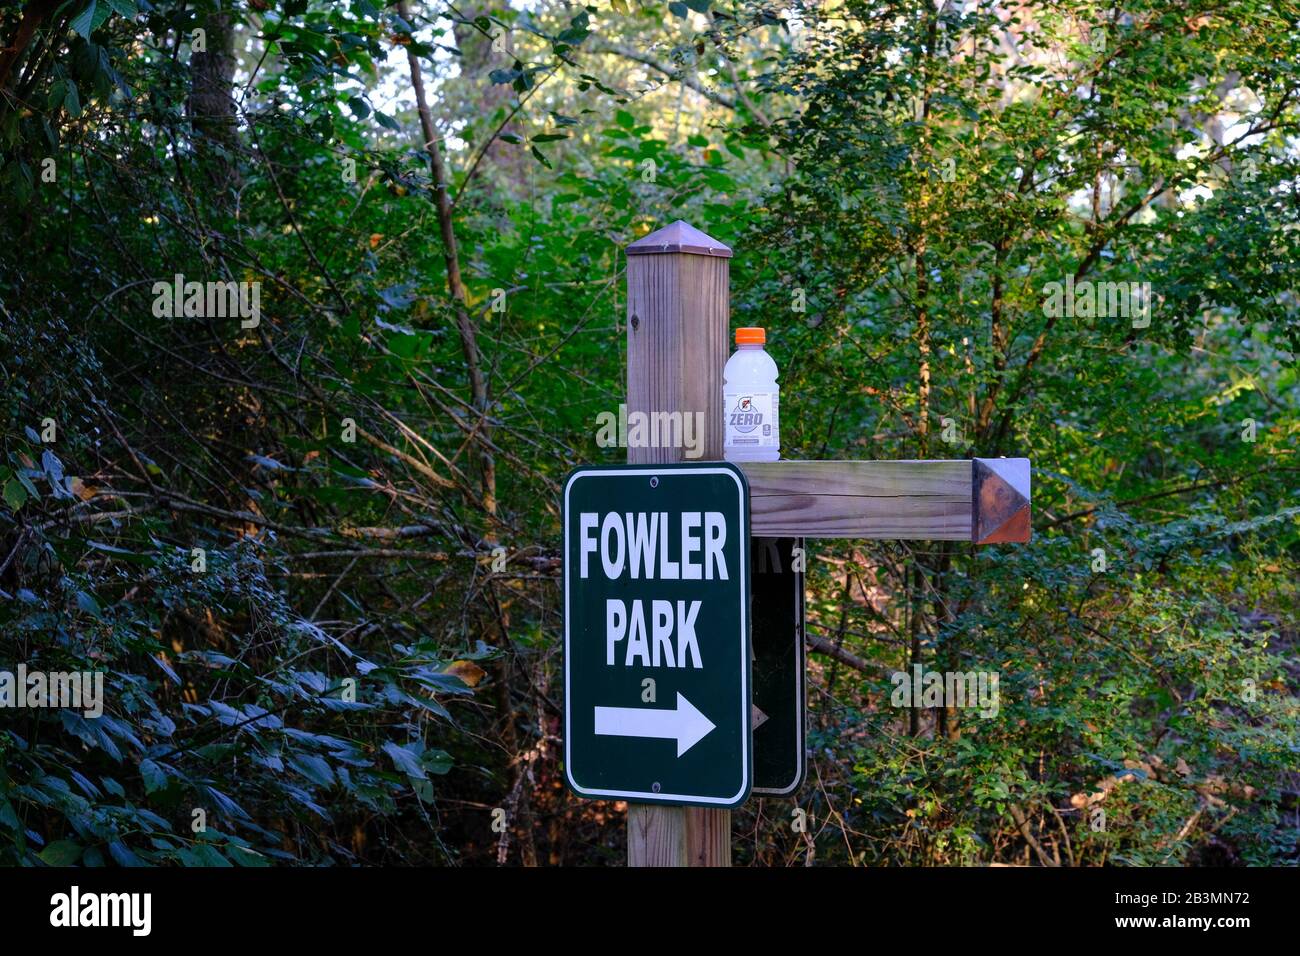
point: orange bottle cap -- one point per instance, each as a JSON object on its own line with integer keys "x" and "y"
{"x": 751, "y": 336}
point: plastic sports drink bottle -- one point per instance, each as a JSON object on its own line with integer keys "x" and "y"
{"x": 750, "y": 401}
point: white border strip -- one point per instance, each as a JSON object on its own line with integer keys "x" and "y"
{"x": 747, "y": 770}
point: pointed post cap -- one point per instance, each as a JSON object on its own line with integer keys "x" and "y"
{"x": 681, "y": 237}
{"x": 1000, "y": 500}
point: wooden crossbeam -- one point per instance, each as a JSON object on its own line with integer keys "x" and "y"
{"x": 984, "y": 500}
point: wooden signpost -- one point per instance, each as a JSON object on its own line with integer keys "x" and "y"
{"x": 677, "y": 344}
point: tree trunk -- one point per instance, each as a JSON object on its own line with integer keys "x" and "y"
{"x": 507, "y": 165}
{"x": 455, "y": 285}
{"x": 211, "y": 103}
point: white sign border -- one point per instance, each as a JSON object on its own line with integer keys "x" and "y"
{"x": 746, "y": 697}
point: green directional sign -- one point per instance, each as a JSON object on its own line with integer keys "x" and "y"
{"x": 778, "y": 639}
{"x": 656, "y": 634}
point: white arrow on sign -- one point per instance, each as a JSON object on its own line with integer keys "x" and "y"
{"x": 686, "y": 724}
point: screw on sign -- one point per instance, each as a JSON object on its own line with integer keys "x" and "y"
{"x": 665, "y": 751}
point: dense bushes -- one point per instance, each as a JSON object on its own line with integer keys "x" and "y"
{"x": 359, "y": 663}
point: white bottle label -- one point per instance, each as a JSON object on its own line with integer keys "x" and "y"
{"x": 751, "y": 419}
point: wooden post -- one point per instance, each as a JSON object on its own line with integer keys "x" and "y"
{"x": 677, "y": 343}
{"x": 677, "y": 324}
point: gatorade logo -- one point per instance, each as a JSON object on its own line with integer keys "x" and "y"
{"x": 743, "y": 417}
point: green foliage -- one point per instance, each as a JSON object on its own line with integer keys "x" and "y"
{"x": 895, "y": 169}
{"x": 1095, "y": 167}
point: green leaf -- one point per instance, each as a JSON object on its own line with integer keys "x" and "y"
{"x": 314, "y": 768}
{"x": 27, "y": 484}
{"x": 58, "y": 92}
{"x": 360, "y": 108}
{"x": 111, "y": 549}
{"x": 246, "y": 857}
{"x": 549, "y": 137}
{"x": 679, "y": 9}
{"x": 84, "y": 22}
{"x": 15, "y": 494}
{"x": 123, "y": 854}
{"x": 152, "y": 774}
{"x": 576, "y": 32}
{"x": 87, "y": 603}
{"x": 437, "y": 761}
{"x": 537, "y": 154}
{"x": 405, "y": 760}
{"x": 102, "y": 13}
{"x": 72, "y": 101}
{"x": 61, "y": 853}
{"x": 126, "y": 8}
{"x": 386, "y": 121}
{"x": 8, "y": 817}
